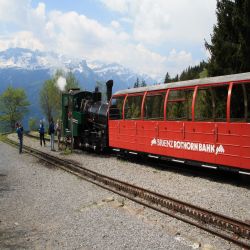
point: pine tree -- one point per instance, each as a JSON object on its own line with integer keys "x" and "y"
{"x": 194, "y": 72}
{"x": 242, "y": 24}
{"x": 229, "y": 48}
{"x": 175, "y": 79}
{"x": 137, "y": 83}
{"x": 167, "y": 78}
{"x": 143, "y": 83}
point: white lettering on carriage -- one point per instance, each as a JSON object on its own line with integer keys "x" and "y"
{"x": 190, "y": 146}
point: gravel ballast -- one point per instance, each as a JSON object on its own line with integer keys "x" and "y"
{"x": 225, "y": 198}
{"x": 47, "y": 208}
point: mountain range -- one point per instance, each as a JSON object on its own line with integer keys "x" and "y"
{"x": 29, "y": 69}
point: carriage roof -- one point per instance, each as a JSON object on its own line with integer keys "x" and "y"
{"x": 201, "y": 81}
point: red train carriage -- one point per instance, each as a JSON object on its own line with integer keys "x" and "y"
{"x": 205, "y": 120}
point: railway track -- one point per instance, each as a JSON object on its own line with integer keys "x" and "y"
{"x": 231, "y": 229}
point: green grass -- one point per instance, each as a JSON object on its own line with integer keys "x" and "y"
{"x": 67, "y": 151}
{"x": 3, "y": 137}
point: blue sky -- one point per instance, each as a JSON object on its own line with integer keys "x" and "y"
{"x": 148, "y": 36}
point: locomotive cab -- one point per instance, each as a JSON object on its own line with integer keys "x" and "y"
{"x": 73, "y": 115}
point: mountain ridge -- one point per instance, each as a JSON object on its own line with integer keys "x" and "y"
{"x": 30, "y": 69}
{"x": 26, "y": 59}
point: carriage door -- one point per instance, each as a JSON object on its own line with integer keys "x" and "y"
{"x": 152, "y": 127}
{"x": 132, "y": 121}
{"x": 228, "y": 135}
{"x": 178, "y": 113}
{"x": 203, "y": 134}
{"x": 238, "y": 130}
{"x": 116, "y": 121}
{"x": 224, "y": 146}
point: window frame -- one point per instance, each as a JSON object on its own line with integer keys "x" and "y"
{"x": 110, "y": 104}
{"x": 206, "y": 86}
{"x": 246, "y": 108}
{"x": 188, "y": 88}
{"x": 154, "y": 93}
{"x": 124, "y": 105}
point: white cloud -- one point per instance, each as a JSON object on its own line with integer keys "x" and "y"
{"x": 115, "y": 24}
{"x": 179, "y": 60}
{"x": 22, "y": 39}
{"x": 77, "y": 35}
{"x": 13, "y": 11}
{"x": 117, "y": 5}
{"x": 159, "y": 21}
{"x": 126, "y": 20}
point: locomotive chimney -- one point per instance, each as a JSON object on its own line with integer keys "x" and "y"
{"x": 109, "y": 85}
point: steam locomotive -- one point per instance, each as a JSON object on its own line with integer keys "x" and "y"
{"x": 84, "y": 118}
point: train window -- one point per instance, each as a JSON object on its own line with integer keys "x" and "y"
{"x": 237, "y": 109}
{"x": 211, "y": 104}
{"x": 220, "y": 100}
{"x": 154, "y": 107}
{"x": 115, "y": 109}
{"x": 204, "y": 105}
{"x": 133, "y": 107}
{"x": 179, "y": 105}
{"x": 247, "y": 91}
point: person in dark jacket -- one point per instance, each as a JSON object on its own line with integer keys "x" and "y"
{"x": 41, "y": 132}
{"x": 52, "y": 134}
{"x": 19, "y": 130}
{"x": 58, "y": 129}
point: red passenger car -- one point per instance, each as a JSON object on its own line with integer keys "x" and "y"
{"x": 206, "y": 121}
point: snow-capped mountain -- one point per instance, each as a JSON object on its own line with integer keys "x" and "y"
{"x": 87, "y": 72}
{"x": 115, "y": 70}
{"x": 30, "y": 69}
{"x": 26, "y": 59}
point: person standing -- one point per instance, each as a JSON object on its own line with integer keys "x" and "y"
{"x": 52, "y": 134}
{"x": 59, "y": 132}
{"x": 41, "y": 132}
{"x": 19, "y": 130}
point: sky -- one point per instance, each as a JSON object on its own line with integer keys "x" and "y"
{"x": 148, "y": 36}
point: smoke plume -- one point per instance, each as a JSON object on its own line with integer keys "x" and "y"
{"x": 61, "y": 83}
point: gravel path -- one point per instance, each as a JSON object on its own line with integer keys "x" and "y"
{"x": 47, "y": 208}
{"x": 220, "y": 197}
